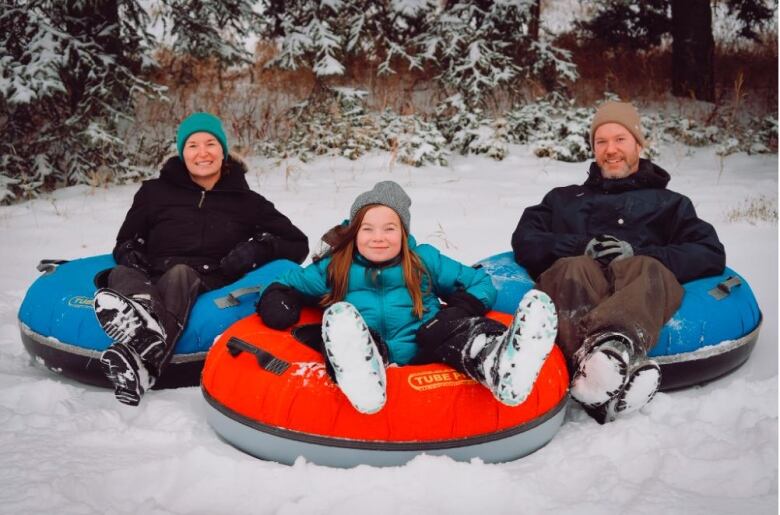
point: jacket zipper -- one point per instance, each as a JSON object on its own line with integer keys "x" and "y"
{"x": 381, "y": 305}
{"x": 202, "y": 198}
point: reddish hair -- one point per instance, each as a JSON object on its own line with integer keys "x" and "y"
{"x": 342, "y": 252}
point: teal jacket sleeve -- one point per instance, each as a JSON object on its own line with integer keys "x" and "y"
{"x": 449, "y": 276}
{"x": 310, "y": 280}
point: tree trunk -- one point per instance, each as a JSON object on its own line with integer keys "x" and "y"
{"x": 533, "y": 25}
{"x": 693, "y": 50}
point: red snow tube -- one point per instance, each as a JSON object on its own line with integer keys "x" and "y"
{"x": 269, "y": 395}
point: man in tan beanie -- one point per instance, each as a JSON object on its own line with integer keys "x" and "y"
{"x": 612, "y": 253}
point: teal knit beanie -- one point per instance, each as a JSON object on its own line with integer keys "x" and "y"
{"x": 200, "y": 122}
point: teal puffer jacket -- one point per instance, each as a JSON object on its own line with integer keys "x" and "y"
{"x": 381, "y": 297}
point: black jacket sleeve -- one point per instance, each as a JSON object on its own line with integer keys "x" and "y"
{"x": 535, "y": 243}
{"x": 278, "y": 237}
{"x": 694, "y": 249}
{"x": 135, "y": 227}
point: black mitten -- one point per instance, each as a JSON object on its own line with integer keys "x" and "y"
{"x": 468, "y": 303}
{"x": 131, "y": 253}
{"x": 246, "y": 256}
{"x": 279, "y": 306}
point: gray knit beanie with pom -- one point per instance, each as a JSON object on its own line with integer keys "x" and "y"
{"x": 386, "y": 193}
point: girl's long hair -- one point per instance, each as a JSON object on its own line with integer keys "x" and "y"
{"x": 342, "y": 241}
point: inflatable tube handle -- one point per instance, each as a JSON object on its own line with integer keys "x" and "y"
{"x": 231, "y": 299}
{"x": 48, "y": 266}
{"x": 723, "y": 289}
{"x": 265, "y": 359}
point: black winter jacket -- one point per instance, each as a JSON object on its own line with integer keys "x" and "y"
{"x": 175, "y": 221}
{"x": 638, "y": 209}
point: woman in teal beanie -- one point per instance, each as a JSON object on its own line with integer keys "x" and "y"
{"x": 195, "y": 228}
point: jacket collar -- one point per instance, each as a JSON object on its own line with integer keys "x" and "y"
{"x": 649, "y": 176}
{"x": 175, "y": 172}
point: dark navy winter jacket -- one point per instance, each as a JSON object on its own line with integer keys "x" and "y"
{"x": 638, "y": 209}
{"x": 180, "y": 222}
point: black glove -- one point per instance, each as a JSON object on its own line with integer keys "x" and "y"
{"x": 604, "y": 248}
{"x": 246, "y": 256}
{"x": 279, "y": 306}
{"x": 131, "y": 253}
{"x": 451, "y": 318}
{"x": 467, "y": 304}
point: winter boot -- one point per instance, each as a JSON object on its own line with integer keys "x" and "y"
{"x": 602, "y": 368}
{"x": 356, "y": 361}
{"x": 512, "y": 361}
{"x": 641, "y": 386}
{"x": 126, "y": 371}
{"x": 129, "y": 320}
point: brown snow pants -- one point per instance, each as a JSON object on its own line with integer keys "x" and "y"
{"x": 634, "y": 296}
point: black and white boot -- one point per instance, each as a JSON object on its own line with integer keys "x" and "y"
{"x": 129, "y": 320}
{"x": 641, "y": 386}
{"x": 602, "y": 370}
{"x": 356, "y": 361}
{"x": 512, "y": 361}
{"x": 612, "y": 377}
{"x": 127, "y": 372}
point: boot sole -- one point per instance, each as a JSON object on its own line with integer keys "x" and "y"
{"x": 601, "y": 362}
{"x": 134, "y": 324}
{"x": 640, "y": 389}
{"x": 360, "y": 372}
{"x": 531, "y": 337}
{"x": 123, "y": 375}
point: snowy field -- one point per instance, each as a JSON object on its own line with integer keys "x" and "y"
{"x": 72, "y": 449}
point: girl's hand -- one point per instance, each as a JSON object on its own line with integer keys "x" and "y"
{"x": 279, "y": 306}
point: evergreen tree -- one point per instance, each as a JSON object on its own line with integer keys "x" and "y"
{"x": 324, "y": 35}
{"x": 482, "y": 45}
{"x": 638, "y": 25}
{"x": 209, "y": 29}
{"x": 71, "y": 74}
{"x": 644, "y": 24}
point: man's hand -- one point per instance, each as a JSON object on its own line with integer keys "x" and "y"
{"x": 604, "y": 248}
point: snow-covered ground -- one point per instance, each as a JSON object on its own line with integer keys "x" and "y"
{"x": 72, "y": 449}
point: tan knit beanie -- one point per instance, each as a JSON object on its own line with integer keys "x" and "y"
{"x": 618, "y": 112}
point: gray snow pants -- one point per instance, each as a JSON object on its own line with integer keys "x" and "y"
{"x": 172, "y": 295}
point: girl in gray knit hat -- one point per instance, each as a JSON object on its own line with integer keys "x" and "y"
{"x": 382, "y": 292}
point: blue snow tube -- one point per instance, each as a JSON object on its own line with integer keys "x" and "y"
{"x": 711, "y": 334}
{"x": 59, "y": 328}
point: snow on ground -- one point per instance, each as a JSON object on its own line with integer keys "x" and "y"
{"x": 72, "y": 449}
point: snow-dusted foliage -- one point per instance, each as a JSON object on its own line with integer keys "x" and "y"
{"x": 336, "y": 122}
{"x": 333, "y": 122}
{"x": 70, "y": 74}
{"x": 475, "y": 46}
{"x": 756, "y": 135}
{"x": 413, "y": 140}
{"x": 642, "y": 25}
{"x": 469, "y": 131}
{"x": 311, "y": 33}
{"x": 482, "y": 45}
{"x": 554, "y": 128}
{"x": 211, "y": 29}
{"x": 324, "y": 35}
